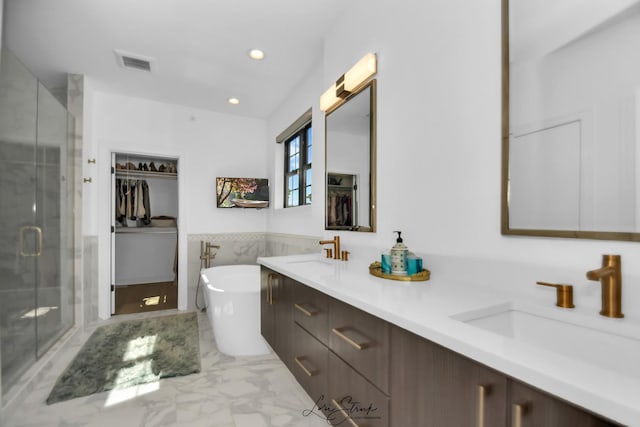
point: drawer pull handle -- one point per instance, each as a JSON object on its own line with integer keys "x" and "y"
{"x": 345, "y": 413}
{"x": 299, "y": 361}
{"x": 340, "y": 332}
{"x": 518, "y": 411}
{"x": 312, "y": 312}
{"x": 482, "y": 392}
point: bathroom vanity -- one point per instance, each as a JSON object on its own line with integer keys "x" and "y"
{"x": 383, "y": 353}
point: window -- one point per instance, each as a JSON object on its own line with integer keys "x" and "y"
{"x": 298, "y": 151}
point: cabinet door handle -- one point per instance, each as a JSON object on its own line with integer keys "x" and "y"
{"x": 345, "y": 413}
{"x": 272, "y": 277}
{"x": 518, "y": 411}
{"x": 300, "y": 361}
{"x": 482, "y": 392}
{"x": 38, "y": 231}
{"x": 269, "y": 289}
{"x": 307, "y": 312}
{"x": 357, "y": 345}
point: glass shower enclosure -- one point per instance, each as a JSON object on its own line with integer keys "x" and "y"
{"x": 36, "y": 220}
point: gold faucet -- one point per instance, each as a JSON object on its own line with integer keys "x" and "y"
{"x": 611, "y": 280}
{"x": 564, "y": 294}
{"x": 336, "y": 246}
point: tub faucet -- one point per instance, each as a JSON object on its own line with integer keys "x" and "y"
{"x": 610, "y": 278}
{"x": 336, "y": 246}
{"x": 206, "y": 256}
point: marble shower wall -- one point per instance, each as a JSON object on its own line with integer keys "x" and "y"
{"x": 241, "y": 248}
{"x": 75, "y": 106}
{"x": 89, "y": 289}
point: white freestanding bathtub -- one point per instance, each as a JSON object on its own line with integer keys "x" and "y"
{"x": 232, "y": 293}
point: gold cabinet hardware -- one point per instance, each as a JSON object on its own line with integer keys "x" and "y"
{"x": 38, "y": 232}
{"x": 345, "y": 413}
{"x": 300, "y": 361}
{"x": 610, "y": 277}
{"x": 272, "y": 277}
{"x": 564, "y": 294}
{"x": 91, "y": 161}
{"x": 87, "y": 180}
{"x": 340, "y": 332}
{"x": 304, "y": 308}
{"x": 518, "y": 411}
{"x": 482, "y": 391}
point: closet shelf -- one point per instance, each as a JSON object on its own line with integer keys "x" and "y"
{"x": 128, "y": 173}
{"x": 147, "y": 230}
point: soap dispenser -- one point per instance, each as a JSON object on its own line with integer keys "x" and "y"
{"x": 399, "y": 257}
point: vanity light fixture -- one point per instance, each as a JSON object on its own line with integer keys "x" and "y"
{"x": 349, "y": 82}
{"x": 256, "y": 54}
{"x": 233, "y": 101}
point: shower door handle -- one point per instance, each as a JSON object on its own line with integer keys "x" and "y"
{"x": 38, "y": 232}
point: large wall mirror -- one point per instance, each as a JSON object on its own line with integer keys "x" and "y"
{"x": 350, "y": 132}
{"x": 571, "y": 118}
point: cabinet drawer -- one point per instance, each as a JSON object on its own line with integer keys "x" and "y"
{"x": 311, "y": 311}
{"x": 362, "y": 340}
{"x": 310, "y": 362}
{"x": 353, "y": 400}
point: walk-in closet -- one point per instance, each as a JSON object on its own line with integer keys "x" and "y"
{"x": 342, "y": 210}
{"x": 144, "y": 233}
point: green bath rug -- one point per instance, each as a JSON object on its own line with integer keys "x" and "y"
{"x": 131, "y": 353}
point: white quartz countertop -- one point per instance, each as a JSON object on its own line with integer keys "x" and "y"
{"x": 426, "y": 309}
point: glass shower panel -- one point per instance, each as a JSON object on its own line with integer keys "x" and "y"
{"x": 54, "y": 216}
{"x": 18, "y": 232}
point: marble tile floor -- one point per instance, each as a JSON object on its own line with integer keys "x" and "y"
{"x": 256, "y": 391}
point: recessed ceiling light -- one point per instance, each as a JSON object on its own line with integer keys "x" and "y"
{"x": 233, "y": 101}
{"x": 256, "y": 54}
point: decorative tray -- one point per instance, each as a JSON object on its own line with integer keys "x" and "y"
{"x": 376, "y": 269}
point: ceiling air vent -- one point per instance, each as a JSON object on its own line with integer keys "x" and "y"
{"x": 134, "y": 61}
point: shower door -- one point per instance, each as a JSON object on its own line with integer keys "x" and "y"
{"x": 36, "y": 220}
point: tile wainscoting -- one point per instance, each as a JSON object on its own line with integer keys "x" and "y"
{"x": 241, "y": 248}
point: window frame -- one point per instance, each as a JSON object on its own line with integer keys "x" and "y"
{"x": 303, "y": 133}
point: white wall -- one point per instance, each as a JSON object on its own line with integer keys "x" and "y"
{"x": 304, "y": 220}
{"x": 207, "y": 144}
{"x": 439, "y": 118}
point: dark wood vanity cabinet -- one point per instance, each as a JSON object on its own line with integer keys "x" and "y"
{"x": 311, "y": 311}
{"x": 433, "y": 386}
{"x": 355, "y": 365}
{"x": 311, "y": 366}
{"x": 276, "y": 316}
{"x": 310, "y": 351}
{"x": 353, "y": 399}
{"x": 361, "y": 340}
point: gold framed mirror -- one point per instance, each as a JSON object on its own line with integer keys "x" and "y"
{"x": 350, "y": 162}
{"x": 571, "y": 119}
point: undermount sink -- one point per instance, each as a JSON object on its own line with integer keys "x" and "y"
{"x": 315, "y": 267}
{"x": 612, "y": 344}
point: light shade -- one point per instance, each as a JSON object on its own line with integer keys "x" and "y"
{"x": 360, "y": 72}
{"x": 349, "y": 82}
{"x": 329, "y": 98}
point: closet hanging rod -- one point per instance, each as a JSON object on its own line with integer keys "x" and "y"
{"x": 133, "y": 174}
{"x": 147, "y": 230}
